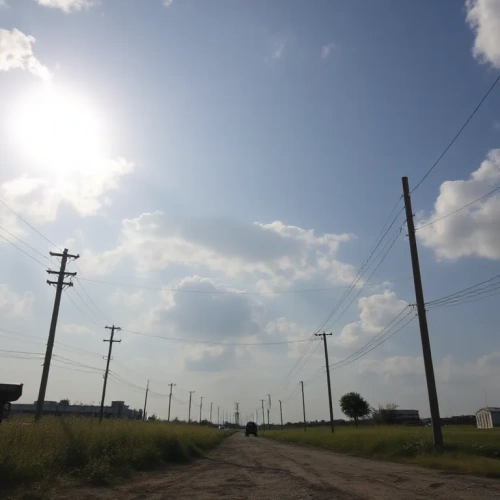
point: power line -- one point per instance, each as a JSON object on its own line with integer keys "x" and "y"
{"x": 24, "y": 252}
{"x": 434, "y": 165}
{"x": 80, "y": 309}
{"x": 24, "y": 243}
{"x": 457, "y": 210}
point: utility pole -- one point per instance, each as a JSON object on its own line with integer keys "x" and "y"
{"x": 237, "y": 414}
{"x": 303, "y": 406}
{"x": 324, "y": 335}
{"x": 422, "y": 320}
{"x": 218, "y": 415}
{"x": 268, "y": 425}
{"x": 60, "y": 284}
{"x": 145, "y": 402}
{"x": 281, "y": 414}
{"x": 170, "y": 400}
{"x": 263, "y": 414}
{"x": 189, "y": 414}
{"x": 211, "y": 412}
{"x": 201, "y": 406}
{"x": 111, "y": 342}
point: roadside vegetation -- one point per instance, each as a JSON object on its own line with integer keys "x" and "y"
{"x": 85, "y": 449}
{"x": 467, "y": 449}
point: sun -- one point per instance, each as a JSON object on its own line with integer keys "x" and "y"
{"x": 58, "y": 131}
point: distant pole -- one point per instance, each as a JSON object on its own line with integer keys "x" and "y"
{"x": 189, "y": 414}
{"x": 218, "y": 419}
{"x": 211, "y": 412}
{"x": 170, "y": 400}
{"x": 201, "y": 406}
{"x": 145, "y": 402}
{"x": 111, "y": 342}
{"x": 60, "y": 284}
{"x": 281, "y": 415}
{"x": 328, "y": 377}
{"x": 263, "y": 414}
{"x": 304, "y": 406}
{"x": 422, "y": 319}
{"x": 268, "y": 425}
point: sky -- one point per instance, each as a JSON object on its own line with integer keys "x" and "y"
{"x": 224, "y": 170}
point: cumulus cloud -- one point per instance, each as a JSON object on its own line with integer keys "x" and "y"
{"x": 326, "y": 50}
{"x": 68, "y": 6}
{"x": 483, "y": 16}
{"x": 376, "y": 311}
{"x": 214, "y": 360}
{"x": 275, "y": 252}
{"x": 14, "y": 304}
{"x": 16, "y": 53}
{"x": 395, "y": 366}
{"x": 475, "y": 230}
{"x": 129, "y": 300}
{"x": 168, "y": 3}
{"x": 85, "y": 191}
{"x": 210, "y": 316}
{"x": 3, "y": 4}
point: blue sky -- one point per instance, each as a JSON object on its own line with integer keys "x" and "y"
{"x": 249, "y": 146}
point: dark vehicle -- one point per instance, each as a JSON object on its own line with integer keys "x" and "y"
{"x": 251, "y": 428}
{"x": 8, "y": 393}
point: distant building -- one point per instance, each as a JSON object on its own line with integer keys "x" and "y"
{"x": 118, "y": 409}
{"x": 406, "y": 416}
{"x": 487, "y": 418}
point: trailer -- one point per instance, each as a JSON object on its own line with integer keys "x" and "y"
{"x": 8, "y": 393}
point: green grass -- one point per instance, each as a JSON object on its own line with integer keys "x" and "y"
{"x": 467, "y": 449}
{"x": 82, "y": 448}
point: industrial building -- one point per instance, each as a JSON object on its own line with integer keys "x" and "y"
{"x": 406, "y": 416}
{"x": 118, "y": 409}
{"x": 487, "y": 418}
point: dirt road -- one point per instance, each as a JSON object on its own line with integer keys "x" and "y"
{"x": 261, "y": 469}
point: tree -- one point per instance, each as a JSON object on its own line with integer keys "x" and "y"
{"x": 354, "y": 406}
{"x": 386, "y": 415}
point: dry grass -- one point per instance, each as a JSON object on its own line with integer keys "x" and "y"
{"x": 83, "y": 448}
{"x": 467, "y": 449}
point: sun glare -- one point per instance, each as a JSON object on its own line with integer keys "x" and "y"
{"x": 58, "y": 131}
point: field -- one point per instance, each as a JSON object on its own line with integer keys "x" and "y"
{"x": 86, "y": 450}
{"x": 467, "y": 449}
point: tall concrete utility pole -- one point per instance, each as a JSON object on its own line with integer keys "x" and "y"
{"x": 201, "y": 406}
{"x": 60, "y": 284}
{"x": 324, "y": 335}
{"x": 170, "y": 400}
{"x": 263, "y": 414}
{"x": 211, "y": 412}
{"x": 281, "y": 415}
{"x": 145, "y": 402}
{"x": 422, "y": 320}
{"x": 111, "y": 341}
{"x": 304, "y": 406}
{"x": 237, "y": 414}
{"x": 189, "y": 413}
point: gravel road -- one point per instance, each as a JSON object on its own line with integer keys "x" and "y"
{"x": 261, "y": 469}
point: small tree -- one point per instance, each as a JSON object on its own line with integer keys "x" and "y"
{"x": 354, "y": 406}
{"x": 386, "y": 415}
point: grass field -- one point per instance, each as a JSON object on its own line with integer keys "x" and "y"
{"x": 84, "y": 449}
{"x": 467, "y": 449}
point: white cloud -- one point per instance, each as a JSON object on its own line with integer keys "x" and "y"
{"x": 376, "y": 311}
{"x": 129, "y": 300}
{"x": 327, "y": 49}
{"x": 395, "y": 366}
{"x": 270, "y": 253}
{"x": 168, "y": 3}
{"x": 483, "y": 17}
{"x": 76, "y": 329}
{"x": 13, "y": 304}
{"x": 3, "y": 4}
{"x": 16, "y": 53}
{"x": 475, "y": 230}
{"x": 67, "y": 6}
{"x": 84, "y": 190}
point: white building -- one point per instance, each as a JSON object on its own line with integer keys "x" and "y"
{"x": 487, "y": 418}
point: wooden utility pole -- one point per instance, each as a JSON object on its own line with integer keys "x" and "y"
{"x": 303, "y": 406}
{"x": 281, "y": 415}
{"x": 211, "y": 412}
{"x": 201, "y": 405}
{"x": 145, "y": 402}
{"x": 328, "y": 377}
{"x": 111, "y": 342}
{"x": 170, "y": 400}
{"x": 189, "y": 413}
{"x": 263, "y": 415}
{"x": 60, "y": 284}
{"x": 422, "y": 320}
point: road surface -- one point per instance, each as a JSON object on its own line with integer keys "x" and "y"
{"x": 261, "y": 469}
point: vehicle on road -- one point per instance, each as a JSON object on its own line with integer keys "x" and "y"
{"x": 251, "y": 428}
{"x": 222, "y": 428}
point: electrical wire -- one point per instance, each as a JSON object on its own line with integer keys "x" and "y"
{"x": 457, "y": 210}
{"x": 434, "y": 165}
{"x": 23, "y": 251}
{"x": 80, "y": 309}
